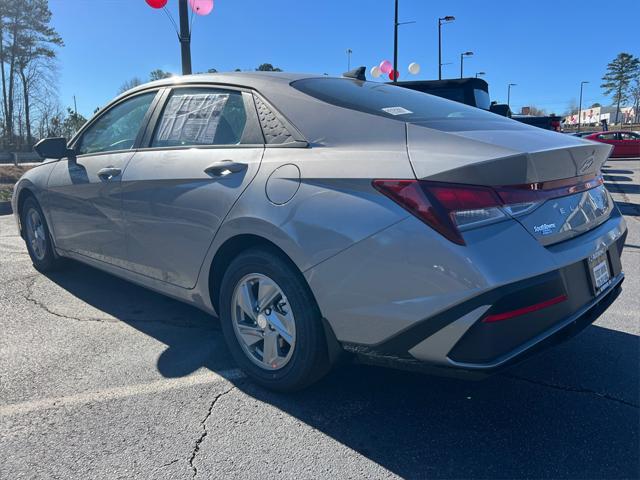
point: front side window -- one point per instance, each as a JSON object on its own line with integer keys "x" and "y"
{"x": 201, "y": 116}
{"x": 118, "y": 128}
{"x": 608, "y": 136}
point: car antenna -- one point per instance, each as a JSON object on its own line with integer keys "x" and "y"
{"x": 357, "y": 73}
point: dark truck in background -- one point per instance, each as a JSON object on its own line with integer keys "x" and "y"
{"x": 475, "y": 92}
{"x": 548, "y": 122}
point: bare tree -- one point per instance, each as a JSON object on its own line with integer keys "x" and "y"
{"x": 129, "y": 84}
{"x": 26, "y": 37}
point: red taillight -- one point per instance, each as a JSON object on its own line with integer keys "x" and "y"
{"x": 540, "y": 191}
{"x": 524, "y": 310}
{"x": 435, "y": 203}
{"x": 410, "y": 195}
{"x": 447, "y": 207}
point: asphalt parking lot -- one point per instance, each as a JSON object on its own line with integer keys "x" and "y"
{"x": 103, "y": 379}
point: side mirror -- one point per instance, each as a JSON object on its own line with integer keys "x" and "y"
{"x": 53, "y": 147}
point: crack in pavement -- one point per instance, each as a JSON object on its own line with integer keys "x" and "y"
{"x": 170, "y": 463}
{"x": 203, "y": 424}
{"x": 568, "y": 388}
{"x": 28, "y": 295}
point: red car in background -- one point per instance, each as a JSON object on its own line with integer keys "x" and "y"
{"x": 625, "y": 144}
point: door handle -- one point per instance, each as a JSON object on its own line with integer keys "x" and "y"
{"x": 224, "y": 168}
{"x": 108, "y": 173}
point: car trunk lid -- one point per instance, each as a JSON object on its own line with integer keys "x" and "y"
{"x": 548, "y": 182}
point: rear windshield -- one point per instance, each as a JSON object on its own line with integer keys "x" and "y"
{"x": 398, "y": 103}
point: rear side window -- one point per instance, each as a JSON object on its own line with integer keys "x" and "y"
{"x": 399, "y": 103}
{"x": 482, "y": 99}
{"x": 629, "y": 136}
{"x": 201, "y": 116}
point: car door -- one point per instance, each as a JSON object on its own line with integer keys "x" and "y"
{"x": 83, "y": 196}
{"x": 205, "y": 148}
{"x": 630, "y": 144}
{"x": 610, "y": 138}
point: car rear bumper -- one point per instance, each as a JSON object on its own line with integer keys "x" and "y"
{"x": 457, "y": 343}
{"x": 402, "y": 298}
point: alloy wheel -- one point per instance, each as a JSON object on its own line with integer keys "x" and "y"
{"x": 36, "y": 233}
{"x": 263, "y": 321}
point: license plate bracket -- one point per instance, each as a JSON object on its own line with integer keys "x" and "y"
{"x": 599, "y": 271}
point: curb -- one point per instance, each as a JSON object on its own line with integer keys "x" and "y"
{"x": 5, "y": 208}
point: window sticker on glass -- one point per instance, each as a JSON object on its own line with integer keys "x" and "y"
{"x": 396, "y": 110}
{"x": 192, "y": 119}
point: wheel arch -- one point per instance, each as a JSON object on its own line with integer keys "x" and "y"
{"x": 234, "y": 246}
{"x": 24, "y": 193}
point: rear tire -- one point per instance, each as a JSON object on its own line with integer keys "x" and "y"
{"x": 37, "y": 237}
{"x": 280, "y": 344}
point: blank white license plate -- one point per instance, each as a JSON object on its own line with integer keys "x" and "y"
{"x": 601, "y": 274}
{"x": 599, "y": 269}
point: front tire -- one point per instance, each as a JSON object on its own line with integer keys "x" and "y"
{"x": 271, "y": 322}
{"x": 37, "y": 237}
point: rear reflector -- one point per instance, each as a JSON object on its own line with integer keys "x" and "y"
{"x": 498, "y": 317}
{"x": 449, "y": 207}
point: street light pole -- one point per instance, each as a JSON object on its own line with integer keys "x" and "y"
{"x": 509, "y": 94}
{"x": 480, "y": 73}
{"x": 442, "y": 20}
{"x": 580, "y": 107}
{"x": 185, "y": 37}
{"x": 462, "y": 55}
{"x": 349, "y": 52}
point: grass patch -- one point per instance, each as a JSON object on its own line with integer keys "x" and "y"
{"x": 9, "y": 174}
{"x": 5, "y": 192}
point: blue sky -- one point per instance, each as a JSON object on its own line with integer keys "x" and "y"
{"x": 545, "y": 47}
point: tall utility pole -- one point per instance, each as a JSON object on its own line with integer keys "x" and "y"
{"x": 349, "y": 52}
{"x": 509, "y": 94}
{"x": 442, "y": 20}
{"x": 580, "y": 107}
{"x": 185, "y": 37}
{"x": 395, "y": 45}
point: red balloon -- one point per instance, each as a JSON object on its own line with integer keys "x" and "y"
{"x": 156, "y": 3}
{"x": 394, "y": 75}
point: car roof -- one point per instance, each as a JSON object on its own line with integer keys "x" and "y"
{"x": 256, "y": 80}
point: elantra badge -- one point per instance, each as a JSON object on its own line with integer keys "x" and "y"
{"x": 585, "y": 166}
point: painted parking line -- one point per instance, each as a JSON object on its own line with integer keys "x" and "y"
{"x": 121, "y": 392}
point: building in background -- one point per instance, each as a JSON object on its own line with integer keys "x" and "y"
{"x": 593, "y": 116}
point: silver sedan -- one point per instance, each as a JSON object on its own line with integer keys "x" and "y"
{"x": 324, "y": 217}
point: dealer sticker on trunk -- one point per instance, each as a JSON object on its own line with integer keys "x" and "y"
{"x": 396, "y": 110}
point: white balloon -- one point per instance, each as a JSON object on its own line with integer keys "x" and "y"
{"x": 375, "y": 72}
{"x": 414, "y": 68}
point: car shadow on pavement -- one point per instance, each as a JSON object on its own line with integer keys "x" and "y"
{"x": 570, "y": 412}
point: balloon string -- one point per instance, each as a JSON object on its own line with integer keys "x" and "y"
{"x": 191, "y": 22}
{"x": 173, "y": 22}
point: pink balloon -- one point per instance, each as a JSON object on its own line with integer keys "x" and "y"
{"x": 385, "y": 66}
{"x": 156, "y": 3}
{"x": 201, "y": 7}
